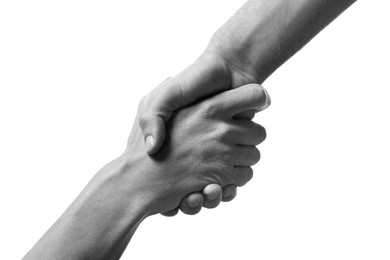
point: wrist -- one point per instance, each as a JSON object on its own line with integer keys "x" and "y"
{"x": 119, "y": 182}
{"x": 238, "y": 60}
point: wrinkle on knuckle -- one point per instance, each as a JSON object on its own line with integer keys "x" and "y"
{"x": 228, "y": 176}
{"x": 223, "y": 173}
{"x": 222, "y": 155}
{"x": 217, "y": 135}
{"x": 209, "y": 109}
{"x": 227, "y": 156}
{"x": 225, "y": 132}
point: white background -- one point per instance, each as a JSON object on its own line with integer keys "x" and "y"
{"x": 72, "y": 73}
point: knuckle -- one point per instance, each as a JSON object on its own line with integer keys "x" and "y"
{"x": 218, "y": 135}
{"x": 228, "y": 156}
{"x": 224, "y": 156}
{"x": 208, "y": 108}
{"x": 224, "y": 174}
{"x": 225, "y": 132}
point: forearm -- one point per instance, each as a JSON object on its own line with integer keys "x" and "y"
{"x": 263, "y": 34}
{"x": 94, "y": 226}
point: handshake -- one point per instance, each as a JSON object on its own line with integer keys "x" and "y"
{"x": 193, "y": 142}
{"x": 198, "y": 130}
{"x": 200, "y": 145}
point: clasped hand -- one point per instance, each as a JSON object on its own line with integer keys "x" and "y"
{"x": 206, "y": 143}
{"x": 210, "y": 74}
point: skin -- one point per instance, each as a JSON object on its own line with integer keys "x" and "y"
{"x": 206, "y": 145}
{"x": 248, "y": 48}
{"x": 258, "y": 39}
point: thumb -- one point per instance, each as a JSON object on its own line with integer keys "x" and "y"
{"x": 201, "y": 79}
{"x": 153, "y": 128}
{"x": 267, "y": 102}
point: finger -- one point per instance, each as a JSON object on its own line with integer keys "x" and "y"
{"x": 201, "y": 79}
{"x": 242, "y": 175}
{"x": 235, "y": 101}
{"x": 152, "y": 125}
{"x": 171, "y": 213}
{"x": 192, "y": 204}
{"x": 212, "y": 194}
{"x": 249, "y": 132}
{"x": 267, "y": 103}
{"x": 154, "y": 132}
{"x": 193, "y": 201}
{"x": 247, "y": 155}
{"x": 229, "y": 192}
{"x": 249, "y": 115}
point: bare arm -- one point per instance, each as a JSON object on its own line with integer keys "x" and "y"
{"x": 207, "y": 144}
{"x": 96, "y": 223}
{"x": 263, "y": 34}
{"x": 258, "y": 39}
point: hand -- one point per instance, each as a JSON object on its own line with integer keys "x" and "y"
{"x": 209, "y": 197}
{"x": 211, "y": 73}
{"x": 206, "y": 144}
{"x": 212, "y": 194}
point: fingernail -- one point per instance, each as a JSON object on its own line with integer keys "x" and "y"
{"x": 267, "y": 101}
{"x": 149, "y": 142}
{"x": 193, "y": 203}
{"x": 211, "y": 196}
{"x": 227, "y": 193}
